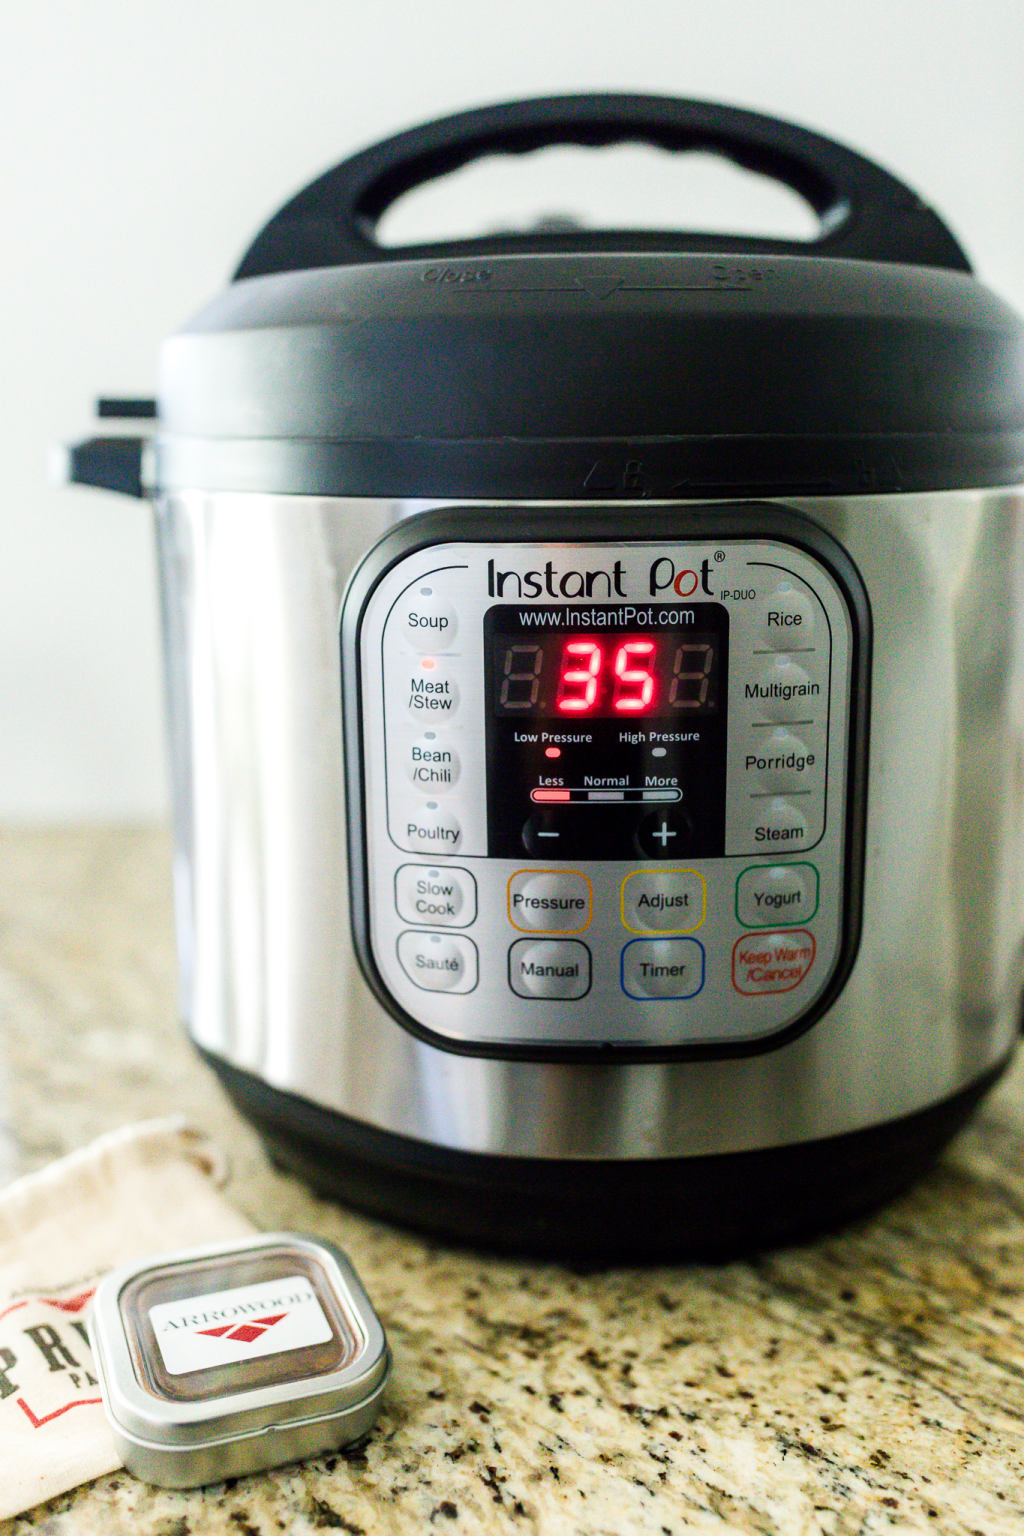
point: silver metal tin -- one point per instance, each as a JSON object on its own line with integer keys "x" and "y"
{"x": 226, "y": 1359}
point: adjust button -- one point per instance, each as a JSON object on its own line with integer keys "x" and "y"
{"x": 549, "y": 968}
{"x": 549, "y": 901}
{"x": 663, "y": 901}
{"x": 439, "y": 962}
{"x": 662, "y": 968}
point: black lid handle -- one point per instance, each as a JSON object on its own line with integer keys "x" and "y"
{"x": 865, "y": 213}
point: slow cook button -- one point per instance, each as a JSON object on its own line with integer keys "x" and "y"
{"x": 429, "y": 693}
{"x": 662, "y": 968}
{"x": 772, "y": 962}
{"x": 770, "y": 895}
{"x": 431, "y": 827}
{"x": 426, "y": 620}
{"x": 549, "y": 901}
{"x": 439, "y": 962}
{"x": 780, "y": 761}
{"x": 432, "y": 763}
{"x": 777, "y": 824}
{"x": 549, "y": 968}
{"x": 443, "y": 896}
{"x": 785, "y": 692}
{"x": 663, "y": 901}
{"x": 786, "y": 619}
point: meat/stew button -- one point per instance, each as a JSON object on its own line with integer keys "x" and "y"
{"x": 772, "y": 962}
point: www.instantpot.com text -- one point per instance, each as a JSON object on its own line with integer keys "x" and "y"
{"x": 624, "y": 617}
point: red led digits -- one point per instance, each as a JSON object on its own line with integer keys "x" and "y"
{"x": 633, "y": 677}
{"x": 584, "y": 676}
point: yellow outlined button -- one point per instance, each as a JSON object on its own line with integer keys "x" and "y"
{"x": 550, "y": 901}
{"x": 664, "y": 901}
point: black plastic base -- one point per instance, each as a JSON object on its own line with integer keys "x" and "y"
{"x": 601, "y": 1210}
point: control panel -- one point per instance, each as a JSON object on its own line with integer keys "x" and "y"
{"x": 605, "y": 789}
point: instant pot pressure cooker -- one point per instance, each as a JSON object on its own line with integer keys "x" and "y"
{"x": 595, "y": 671}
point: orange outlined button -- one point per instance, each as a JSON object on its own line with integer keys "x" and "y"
{"x": 772, "y": 962}
{"x": 549, "y": 901}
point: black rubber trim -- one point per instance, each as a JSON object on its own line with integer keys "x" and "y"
{"x": 466, "y": 525}
{"x": 599, "y": 1211}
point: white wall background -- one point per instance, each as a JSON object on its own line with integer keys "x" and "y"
{"x": 143, "y": 144}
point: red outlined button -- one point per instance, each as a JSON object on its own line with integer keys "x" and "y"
{"x": 772, "y": 962}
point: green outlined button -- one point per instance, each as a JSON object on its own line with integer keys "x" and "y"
{"x": 664, "y": 901}
{"x": 777, "y": 895}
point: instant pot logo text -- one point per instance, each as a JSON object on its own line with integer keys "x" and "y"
{"x": 552, "y": 581}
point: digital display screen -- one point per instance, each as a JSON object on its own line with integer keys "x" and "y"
{"x": 625, "y": 676}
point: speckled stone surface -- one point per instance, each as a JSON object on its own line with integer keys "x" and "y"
{"x": 870, "y": 1382}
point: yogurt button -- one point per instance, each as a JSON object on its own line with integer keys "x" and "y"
{"x": 784, "y": 691}
{"x": 786, "y": 619}
{"x": 772, "y": 894}
{"x": 439, "y": 962}
{"x": 431, "y": 827}
{"x": 427, "y": 621}
{"x": 432, "y": 763}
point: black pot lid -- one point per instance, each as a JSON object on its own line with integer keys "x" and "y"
{"x": 602, "y": 364}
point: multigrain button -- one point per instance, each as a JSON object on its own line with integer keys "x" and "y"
{"x": 780, "y": 761}
{"x": 549, "y": 968}
{"x": 784, "y": 692}
{"x": 771, "y": 895}
{"x": 786, "y": 619}
{"x": 662, "y": 968}
{"x": 441, "y": 896}
{"x": 663, "y": 901}
{"x": 778, "y": 825}
{"x": 427, "y": 621}
{"x": 439, "y": 962}
{"x": 549, "y": 901}
{"x": 432, "y": 763}
{"x": 432, "y": 828}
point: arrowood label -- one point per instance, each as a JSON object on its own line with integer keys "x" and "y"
{"x": 230, "y": 1327}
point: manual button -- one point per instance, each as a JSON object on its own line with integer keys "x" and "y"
{"x": 549, "y": 968}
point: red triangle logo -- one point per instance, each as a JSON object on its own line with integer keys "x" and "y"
{"x": 244, "y": 1333}
{"x": 214, "y": 1332}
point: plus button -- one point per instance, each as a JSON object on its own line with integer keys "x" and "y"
{"x": 663, "y": 834}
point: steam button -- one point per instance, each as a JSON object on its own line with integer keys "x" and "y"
{"x": 779, "y": 826}
{"x": 427, "y": 621}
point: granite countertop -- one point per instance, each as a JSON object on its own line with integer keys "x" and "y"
{"x": 871, "y": 1381}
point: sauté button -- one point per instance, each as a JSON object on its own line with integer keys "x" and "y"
{"x": 439, "y": 962}
{"x": 432, "y": 763}
{"x": 427, "y": 621}
{"x": 549, "y": 968}
{"x": 785, "y": 691}
{"x": 430, "y": 693}
{"x": 778, "y": 825}
{"x": 786, "y": 619}
{"x": 445, "y": 895}
{"x": 770, "y": 895}
{"x": 549, "y": 901}
{"x": 430, "y": 826}
{"x": 779, "y": 760}
{"x": 663, "y": 901}
{"x": 662, "y": 968}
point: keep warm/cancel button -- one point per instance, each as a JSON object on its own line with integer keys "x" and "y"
{"x": 772, "y": 962}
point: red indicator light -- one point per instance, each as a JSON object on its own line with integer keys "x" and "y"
{"x": 428, "y": 662}
{"x": 552, "y": 751}
{"x": 549, "y": 794}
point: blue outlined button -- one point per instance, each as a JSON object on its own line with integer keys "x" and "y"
{"x": 655, "y": 969}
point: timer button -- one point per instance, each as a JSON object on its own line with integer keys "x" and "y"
{"x": 431, "y": 827}
{"x": 549, "y": 968}
{"x": 427, "y": 621}
{"x": 439, "y": 962}
{"x": 431, "y": 763}
{"x": 786, "y": 619}
{"x": 662, "y": 968}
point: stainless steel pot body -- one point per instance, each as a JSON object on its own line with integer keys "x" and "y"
{"x": 252, "y": 586}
